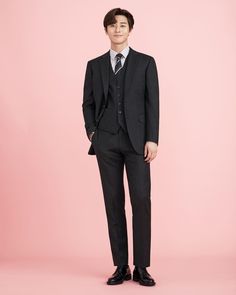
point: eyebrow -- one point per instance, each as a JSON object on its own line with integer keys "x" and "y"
{"x": 121, "y": 23}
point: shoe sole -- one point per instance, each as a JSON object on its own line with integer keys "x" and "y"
{"x": 135, "y": 279}
{"x": 126, "y": 278}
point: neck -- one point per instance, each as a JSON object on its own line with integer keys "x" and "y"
{"x": 119, "y": 47}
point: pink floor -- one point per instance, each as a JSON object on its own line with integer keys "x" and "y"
{"x": 190, "y": 276}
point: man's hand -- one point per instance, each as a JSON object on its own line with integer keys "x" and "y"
{"x": 91, "y": 135}
{"x": 150, "y": 151}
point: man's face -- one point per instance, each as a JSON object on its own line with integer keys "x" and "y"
{"x": 118, "y": 32}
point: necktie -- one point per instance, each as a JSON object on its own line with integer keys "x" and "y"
{"x": 118, "y": 65}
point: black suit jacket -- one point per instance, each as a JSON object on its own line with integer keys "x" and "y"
{"x": 141, "y": 97}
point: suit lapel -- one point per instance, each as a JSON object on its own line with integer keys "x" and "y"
{"x": 130, "y": 70}
{"x": 105, "y": 64}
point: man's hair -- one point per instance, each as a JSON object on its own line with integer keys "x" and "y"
{"x": 110, "y": 17}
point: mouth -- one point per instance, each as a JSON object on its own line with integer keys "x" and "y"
{"x": 117, "y": 35}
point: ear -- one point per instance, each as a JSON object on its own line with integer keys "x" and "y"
{"x": 130, "y": 31}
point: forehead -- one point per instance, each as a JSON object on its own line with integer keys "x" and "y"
{"x": 121, "y": 18}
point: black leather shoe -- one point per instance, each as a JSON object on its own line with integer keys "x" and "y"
{"x": 121, "y": 273}
{"x": 141, "y": 275}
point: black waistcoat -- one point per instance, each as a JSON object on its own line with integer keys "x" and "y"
{"x": 114, "y": 116}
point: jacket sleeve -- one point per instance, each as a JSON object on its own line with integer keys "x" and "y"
{"x": 88, "y": 104}
{"x": 152, "y": 102}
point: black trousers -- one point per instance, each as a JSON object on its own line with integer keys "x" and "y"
{"x": 113, "y": 153}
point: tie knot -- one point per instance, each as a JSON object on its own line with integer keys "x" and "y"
{"x": 119, "y": 56}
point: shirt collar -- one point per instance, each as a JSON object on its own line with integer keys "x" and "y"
{"x": 113, "y": 53}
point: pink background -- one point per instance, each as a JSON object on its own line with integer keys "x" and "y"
{"x": 51, "y": 202}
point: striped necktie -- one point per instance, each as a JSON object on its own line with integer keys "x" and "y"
{"x": 118, "y": 65}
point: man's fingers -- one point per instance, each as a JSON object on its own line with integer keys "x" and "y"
{"x": 145, "y": 150}
{"x": 149, "y": 154}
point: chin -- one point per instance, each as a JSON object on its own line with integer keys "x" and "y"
{"x": 118, "y": 42}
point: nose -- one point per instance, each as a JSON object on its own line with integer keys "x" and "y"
{"x": 117, "y": 29}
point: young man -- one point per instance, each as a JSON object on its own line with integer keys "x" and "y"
{"x": 121, "y": 114}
